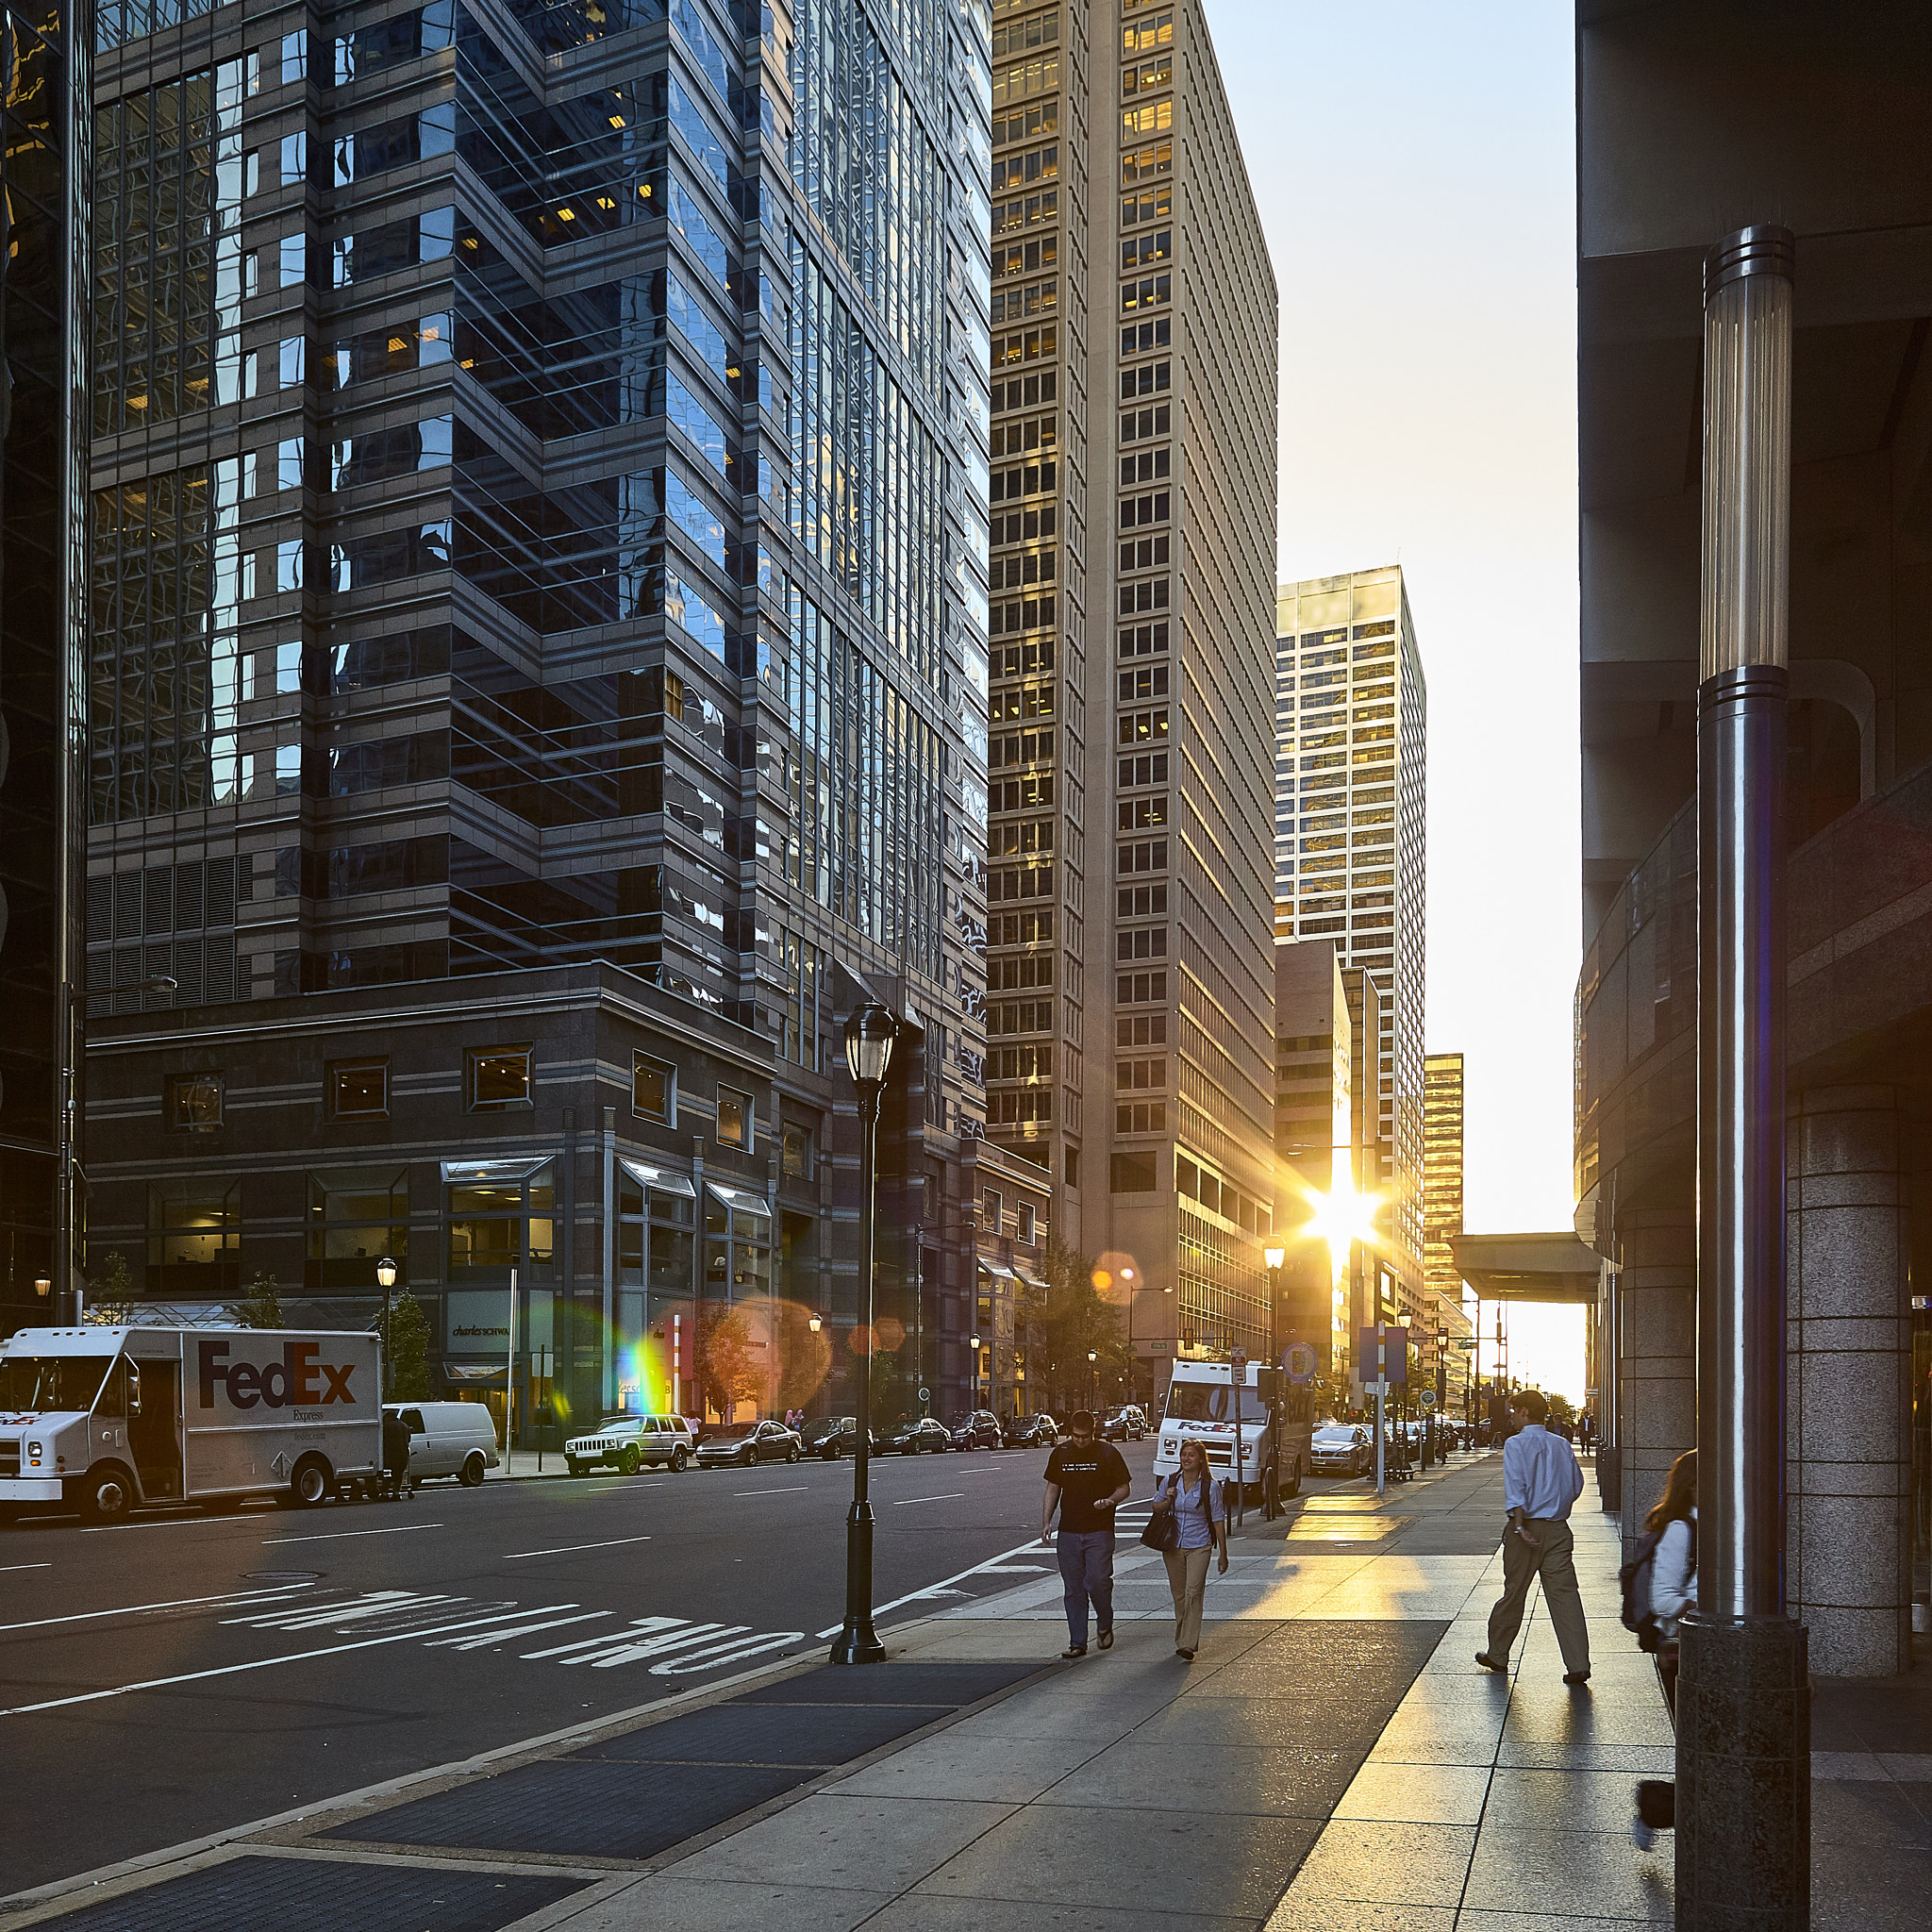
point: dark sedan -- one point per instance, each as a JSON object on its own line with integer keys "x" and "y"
{"x": 910, "y": 1435}
{"x": 1032, "y": 1432}
{"x": 979, "y": 1430}
{"x": 833, "y": 1436}
{"x": 744, "y": 1444}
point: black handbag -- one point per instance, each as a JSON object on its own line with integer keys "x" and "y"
{"x": 1163, "y": 1528}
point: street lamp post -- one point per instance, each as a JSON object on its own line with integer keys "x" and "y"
{"x": 869, "y": 1035}
{"x": 386, "y": 1279}
{"x": 1093, "y": 1370}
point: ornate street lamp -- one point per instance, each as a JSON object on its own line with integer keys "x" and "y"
{"x": 869, "y": 1035}
{"x": 385, "y": 1276}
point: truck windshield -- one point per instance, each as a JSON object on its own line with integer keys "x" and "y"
{"x": 1198, "y": 1402}
{"x": 48, "y": 1382}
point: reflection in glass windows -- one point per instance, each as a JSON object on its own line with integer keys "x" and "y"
{"x": 356, "y": 1216}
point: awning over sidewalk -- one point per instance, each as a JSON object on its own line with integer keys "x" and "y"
{"x": 1526, "y": 1267}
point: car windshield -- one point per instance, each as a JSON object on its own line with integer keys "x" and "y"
{"x": 1335, "y": 1433}
{"x": 735, "y": 1432}
{"x": 1198, "y": 1402}
{"x": 827, "y": 1426}
{"x": 45, "y": 1382}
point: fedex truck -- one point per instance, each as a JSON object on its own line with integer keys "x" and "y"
{"x": 1201, "y": 1402}
{"x": 104, "y": 1418}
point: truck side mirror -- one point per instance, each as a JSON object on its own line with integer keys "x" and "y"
{"x": 133, "y": 1390}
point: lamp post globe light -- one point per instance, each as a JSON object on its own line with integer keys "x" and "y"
{"x": 869, "y": 1035}
{"x": 386, "y": 1279}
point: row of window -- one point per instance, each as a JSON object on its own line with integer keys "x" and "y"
{"x": 1026, "y": 393}
{"x": 1141, "y": 902}
{"x": 1024, "y": 526}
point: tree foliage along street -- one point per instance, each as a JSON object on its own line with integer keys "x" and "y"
{"x": 1063, "y": 1322}
{"x": 405, "y": 1332}
{"x": 261, "y": 1307}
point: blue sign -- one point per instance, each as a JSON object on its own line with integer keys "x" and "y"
{"x": 1394, "y": 1344}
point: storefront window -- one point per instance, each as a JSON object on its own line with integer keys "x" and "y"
{"x": 657, "y": 1212}
{"x": 738, "y": 1243}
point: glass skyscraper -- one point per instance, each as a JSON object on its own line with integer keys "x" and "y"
{"x": 43, "y": 270}
{"x": 540, "y": 470}
{"x": 1350, "y": 839}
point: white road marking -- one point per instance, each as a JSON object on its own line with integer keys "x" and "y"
{"x": 564, "y": 1549}
{"x": 335, "y": 1536}
{"x": 188, "y": 1522}
{"x": 25, "y": 1566}
{"x": 944, "y": 1585}
{"x": 906, "y": 1502}
{"x": 266, "y": 1663}
{"x": 801, "y": 1490}
{"x": 481, "y": 1641}
{"x": 228, "y": 1596}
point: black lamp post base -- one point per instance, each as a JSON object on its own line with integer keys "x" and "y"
{"x": 1743, "y": 1776}
{"x": 858, "y": 1642}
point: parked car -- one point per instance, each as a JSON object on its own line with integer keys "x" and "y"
{"x": 627, "y": 1443}
{"x": 456, "y": 1439}
{"x": 1032, "y": 1432}
{"x": 1341, "y": 1449}
{"x": 745, "y": 1444}
{"x": 914, "y": 1434}
{"x": 1121, "y": 1424}
{"x": 978, "y": 1430}
{"x": 832, "y": 1436}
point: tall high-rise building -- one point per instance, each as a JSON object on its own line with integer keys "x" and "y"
{"x": 1350, "y": 778}
{"x": 43, "y": 277}
{"x": 1133, "y": 518}
{"x": 1314, "y": 1144}
{"x": 1442, "y": 1217}
{"x": 538, "y": 476}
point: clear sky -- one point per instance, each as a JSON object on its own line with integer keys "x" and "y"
{"x": 1414, "y": 163}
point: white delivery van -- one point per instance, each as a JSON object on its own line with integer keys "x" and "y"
{"x": 106, "y": 1418}
{"x": 1201, "y": 1402}
{"x": 456, "y": 1439}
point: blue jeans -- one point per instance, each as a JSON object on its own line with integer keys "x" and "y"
{"x": 1087, "y": 1570}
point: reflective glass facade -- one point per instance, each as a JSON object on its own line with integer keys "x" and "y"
{"x": 43, "y": 267}
{"x": 538, "y": 516}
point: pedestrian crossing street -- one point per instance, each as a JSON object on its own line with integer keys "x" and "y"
{"x": 666, "y": 1646}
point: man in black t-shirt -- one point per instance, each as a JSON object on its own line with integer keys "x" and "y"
{"x": 1086, "y": 1480}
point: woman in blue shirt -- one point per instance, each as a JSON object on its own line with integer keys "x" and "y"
{"x": 1194, "y": 1497}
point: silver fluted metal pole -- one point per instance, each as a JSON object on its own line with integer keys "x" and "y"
{"x": 1743, "y": 1708}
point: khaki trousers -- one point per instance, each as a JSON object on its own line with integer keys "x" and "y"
{"x": 1186, "y": 1577}
{"x": 1552, "y": 1557}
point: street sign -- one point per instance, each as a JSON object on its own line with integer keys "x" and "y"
{"x": 1238, "y": 1360}
{"x": 1428, "y": 1398}
{"x": 925, "y": 1395}
{"x": 1468, "y": 1344}
{"x": 1298, "y": 1360}
{"x": 1394, "y": 1341}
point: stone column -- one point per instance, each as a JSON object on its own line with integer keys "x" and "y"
{"x": 1657, "y": 1323}
{"x": 1848, "y": 1470}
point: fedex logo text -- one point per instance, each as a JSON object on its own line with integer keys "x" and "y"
{"x": 274, "y": 1384}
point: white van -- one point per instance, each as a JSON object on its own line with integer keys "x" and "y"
{"x": 456, "y": 1439}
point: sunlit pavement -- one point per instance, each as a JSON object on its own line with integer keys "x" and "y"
{"x": 1334, "y": 1758}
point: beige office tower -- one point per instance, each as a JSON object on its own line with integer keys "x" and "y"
{"x": 1350, "y": 787}
{"x": 1446, "y": 1321}
{"x": 1129, "y": 943}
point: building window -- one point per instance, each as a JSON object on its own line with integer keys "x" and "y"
{"x": 1133, "y": 1174}
{"x": 356, "y": 1217}
{"x": 358, "y": 1089}
{"x": 194, "y": 1235}
{"x": 499, "y": 1077}
{"x": 500, "y": 1215}
{"x": 653, "y": 1090}
{"x": 1026, "y": 1225}
{"x": 657, "y": 1226}
{"x": 738, "y": 1243}
{"x": 995, "y": 1212}
{"x": 1073, "y": 1167}
{"x": 797, "y": 1151}
{"x": 195, "y": 1103}
{"x": 734, "y": 1119}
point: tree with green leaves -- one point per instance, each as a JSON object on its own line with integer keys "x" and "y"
{"x": 728, "y": 1369}
{"x": 405, "y": 1331}
{"x": 111, "y": 1293}
{"x": 1071, "y": 1316}
{"x": 261, "y": 1307}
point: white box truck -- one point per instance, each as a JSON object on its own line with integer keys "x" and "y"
{"x": 104, "y": 1418}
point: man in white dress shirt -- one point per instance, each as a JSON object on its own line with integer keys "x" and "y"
{"x": 1540, "y": 1482}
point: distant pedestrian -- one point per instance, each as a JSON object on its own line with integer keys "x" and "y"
{"x": 1085, "y": 1480}
{"x": 1673, "y": 1591}
{"x": 1541, "y": 1484}
{"x": 395, "y": 1454}
{"x": 1201, "y": 1519}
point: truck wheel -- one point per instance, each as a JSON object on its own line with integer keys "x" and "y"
{"x": 472, "y": 1469}
{"x": 106, "y": 1494}
{"x": 680, "y": 1460}
{"x": 310, "y": 1484}
{"x": 629, "y": 1462}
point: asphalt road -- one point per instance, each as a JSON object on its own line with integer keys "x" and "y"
{"x": 183, "y": 1672}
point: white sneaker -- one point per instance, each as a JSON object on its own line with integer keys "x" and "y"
{"x": 1641, "y": 1835}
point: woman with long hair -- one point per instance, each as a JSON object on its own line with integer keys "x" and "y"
{"x": 1201, "y": 1521}
{"x": 1673, "y": 1521}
